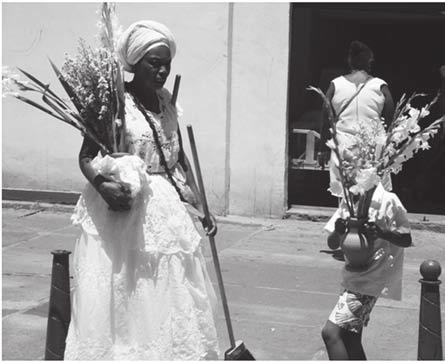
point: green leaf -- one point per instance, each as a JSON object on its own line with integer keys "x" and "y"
{"x": 38, "y": 106}
{"x": 67, "y": 87}
{"x": 65, "y": 119}
{"x": 66, "y": 116}
{"x": 38, "y": 82}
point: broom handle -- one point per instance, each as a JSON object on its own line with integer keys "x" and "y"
{"x": 175, "y": 90}
{"x": 211, "y": 238}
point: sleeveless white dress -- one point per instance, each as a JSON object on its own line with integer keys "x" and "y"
{"x": 367, "y": 108}
{"x": 140, "y": 288}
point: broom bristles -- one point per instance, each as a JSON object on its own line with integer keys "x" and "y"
{"x": 239, "y": 353}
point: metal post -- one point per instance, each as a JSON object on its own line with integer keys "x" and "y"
{"x": 430, "y": 330}
{"x": 59, "y": 313}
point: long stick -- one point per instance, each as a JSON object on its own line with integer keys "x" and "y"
{"x": 211, "y": 238}
{"x": 175, "y": 90}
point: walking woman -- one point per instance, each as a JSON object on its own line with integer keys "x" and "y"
{"x": 142, "y": 291}
{"x": 372, "y": 103}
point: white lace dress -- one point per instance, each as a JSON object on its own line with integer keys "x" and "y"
{"x": 140, "y": 288}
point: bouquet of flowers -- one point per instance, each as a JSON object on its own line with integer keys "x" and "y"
{"x": 373, "y": 154}
{"x": 94, "y": 83}
{"x": 93, "y": 80}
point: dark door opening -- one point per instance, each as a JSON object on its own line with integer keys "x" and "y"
{"x": 407, "y": 40}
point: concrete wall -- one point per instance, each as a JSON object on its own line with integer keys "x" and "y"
{"x": 41, "y": 153}
{"x": 259, "y": 98}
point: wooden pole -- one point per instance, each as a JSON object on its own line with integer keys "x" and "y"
{"x": 175, "y": 90}
{"x": 211, "y": 238}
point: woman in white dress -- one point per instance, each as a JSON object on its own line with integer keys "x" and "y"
{"x": 372, "y": 105}
{"x": 141, "y": 288}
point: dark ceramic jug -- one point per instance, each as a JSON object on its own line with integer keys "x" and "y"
{"x": 356, "y": 247}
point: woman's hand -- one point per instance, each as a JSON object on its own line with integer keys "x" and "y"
{"x": 340, "y": 226}
{"x": 371, "y": 230}
{"x": 334, "y": 240}
{"x": 115, "y": 194}
{"x": 209, "y": 226}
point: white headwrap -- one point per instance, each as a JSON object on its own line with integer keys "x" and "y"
{"x": 140, "y": 37}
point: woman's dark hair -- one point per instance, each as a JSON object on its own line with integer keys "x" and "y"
{"x": 360, "y": 56}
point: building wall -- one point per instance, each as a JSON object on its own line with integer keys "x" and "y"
{"x": 41, "y": 153}
{"x": 259, "y": 98}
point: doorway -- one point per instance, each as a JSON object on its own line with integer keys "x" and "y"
{"x": 407, "y": 40}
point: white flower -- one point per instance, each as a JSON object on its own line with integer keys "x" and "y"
{"x": 380, "y": 142}
{"x": 412, "y": 121}
{"x": 380, "y": 139}
{"x": 398, "y": 134}
{"x": 348, "y": 154}
{"x": 108, "y": 23}
{"x": 9, "y": 93}
{"x": 424, "y": 112}
{"x": 422, "y": 140}
{"x": 12, "y": 84}
{"x": 424, "y": 136}
{"x": 365, "y": 180}
{"x": 336, "y": 188}
{"x": 8, "y": 87}
{"x": 414, "y": 113}
{"x": 425, "y": 146}
{"x": 331, "y": 144}
{"x": 103, "y": 110}
{"x": 7, "y": 72}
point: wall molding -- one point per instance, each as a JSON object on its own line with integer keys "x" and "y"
{"x": 47, "y": 196}
{"x": 228, "y": 109}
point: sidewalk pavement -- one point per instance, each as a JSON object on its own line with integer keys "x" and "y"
{"x": 281, "y": 284}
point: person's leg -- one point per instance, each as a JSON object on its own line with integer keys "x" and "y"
{"x": 333, "y": 331}
{"x": 333, "y": 339}
{"x": 353, "y": 345}
{"x": 360, "y": 306}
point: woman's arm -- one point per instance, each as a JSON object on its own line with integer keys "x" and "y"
{"x": 191, "y": 182}
{"x": 335, "y": 239}
{"x": 338, "y": 235}
{"x": 210, "y": 227}
{"x": 325, "y": 134}
{"x": 114, "y": 193}
{"x": 402, "y": 240}
{"x": 87, "y": 153}
{"x": 189, "y": 177}
{"x": 388, "y": 106}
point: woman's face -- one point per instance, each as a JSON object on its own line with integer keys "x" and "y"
{"x": 153, "y": 69}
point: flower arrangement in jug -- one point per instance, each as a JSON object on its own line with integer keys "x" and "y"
{"x": 373, "y": 153}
